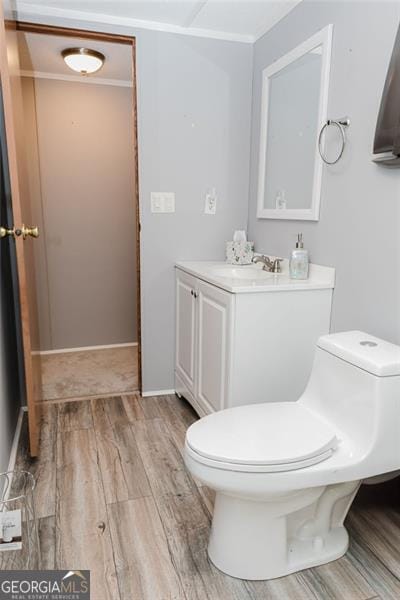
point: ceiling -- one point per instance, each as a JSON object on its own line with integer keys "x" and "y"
{"x": 237, "y": 20}
{"x": 40, "y": 54}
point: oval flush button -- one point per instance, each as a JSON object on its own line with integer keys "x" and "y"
{"x": 368, "y": 343}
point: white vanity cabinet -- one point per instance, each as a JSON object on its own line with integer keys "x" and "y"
{"x": 185, "y": 329}
{"x": 242, "y": 342}
{"x": 203, "y": 335}
{"x": 214, "y": 334}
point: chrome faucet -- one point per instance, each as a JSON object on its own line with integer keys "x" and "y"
{"x": 273, "y": 266}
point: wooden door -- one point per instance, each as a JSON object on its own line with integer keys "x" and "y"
{"x": 21, "y": 213}
{"x": 185, "y": 328}
{"x": 214, "y": 316}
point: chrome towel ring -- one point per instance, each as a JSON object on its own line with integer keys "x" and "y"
{"x": 341, "y": 124}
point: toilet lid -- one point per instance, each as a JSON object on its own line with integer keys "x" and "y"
{"x": 270, "y": 434}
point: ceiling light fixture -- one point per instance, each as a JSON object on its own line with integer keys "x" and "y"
{"x": 83, "y": 60}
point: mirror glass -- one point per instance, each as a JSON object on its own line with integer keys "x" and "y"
{"x": 292, "y": 131}
{"x": 293, "y": 110}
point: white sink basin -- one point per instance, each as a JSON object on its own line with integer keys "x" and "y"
{"x": 243, "y": 272}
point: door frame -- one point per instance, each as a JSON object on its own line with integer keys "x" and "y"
{"x": 115, "y": 38}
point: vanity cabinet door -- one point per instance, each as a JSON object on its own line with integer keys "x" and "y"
{"x": 214, "y": 318}
{"x": 185, "y": 328}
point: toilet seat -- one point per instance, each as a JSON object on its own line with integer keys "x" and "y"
{"x": 269, "y": 437}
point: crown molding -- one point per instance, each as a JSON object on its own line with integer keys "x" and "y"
{"x": 76, "y": 78}
{"x": 61, "y": 16}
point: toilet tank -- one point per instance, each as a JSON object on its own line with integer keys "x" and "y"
{"x": 355, "y": 385}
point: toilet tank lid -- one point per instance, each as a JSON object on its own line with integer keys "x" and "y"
{"x": 364, "y": 351}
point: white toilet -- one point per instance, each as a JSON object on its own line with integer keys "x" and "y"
{"x": 285, "y": 474}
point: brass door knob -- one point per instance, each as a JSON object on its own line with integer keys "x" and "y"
{"x": 4, "y": 231}
{"x": 25, "y": 231}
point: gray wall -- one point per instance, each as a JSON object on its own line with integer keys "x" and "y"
{"x": 358, "y": 231}
{"x": 194, "y": 133}
{"x": 194, "y": 103}
{"x": 87, "y": 264}
{"x": 194, "y": 107}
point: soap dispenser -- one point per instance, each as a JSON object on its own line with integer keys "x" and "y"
{"x": 299, "y": 260}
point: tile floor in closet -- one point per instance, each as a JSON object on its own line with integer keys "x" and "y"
{"x": 89, "y": 373}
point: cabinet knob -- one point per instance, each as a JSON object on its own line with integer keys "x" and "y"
{"x": 195, "y": 294}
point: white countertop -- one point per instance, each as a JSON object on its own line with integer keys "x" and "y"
{"x": 239, "y": 279}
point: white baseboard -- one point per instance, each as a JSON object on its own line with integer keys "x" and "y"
{"x": 86, "y": 348}
{"x": 14, "y": 448}
{"x": 158, "y": 393}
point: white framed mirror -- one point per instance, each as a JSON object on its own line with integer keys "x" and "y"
{"x": 294, "y": 104}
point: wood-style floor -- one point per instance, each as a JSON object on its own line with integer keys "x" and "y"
{"x": 113, "y": 496}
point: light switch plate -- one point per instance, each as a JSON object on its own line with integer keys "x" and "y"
{"x": 169, "y": 202}
{"x": 162, "y": 202}
{"x": 157, "y": 202}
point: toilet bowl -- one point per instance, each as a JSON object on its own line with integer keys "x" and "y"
{"x": 285, "y": 473}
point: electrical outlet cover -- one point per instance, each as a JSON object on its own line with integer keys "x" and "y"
{"x": 210, "y": 207}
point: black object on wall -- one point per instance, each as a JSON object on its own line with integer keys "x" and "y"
{"x": 387, "y": 134}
